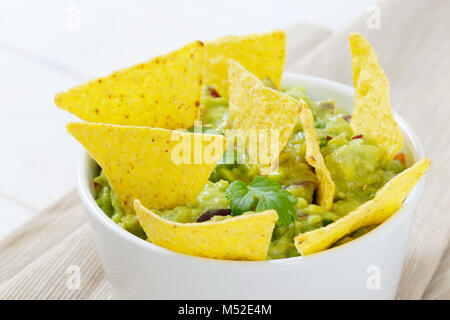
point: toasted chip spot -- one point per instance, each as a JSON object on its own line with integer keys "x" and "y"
{"x": 262, "y": 54}
{"x": 167, "y": 81}
{"x": 254, "y": 106}
{"x": 326, "y": 187}
{"x": 245, "y": 237}
{"x": 387, "y": 201}
{"x": 372, "y": 114}
{"x": 139, "y": 162}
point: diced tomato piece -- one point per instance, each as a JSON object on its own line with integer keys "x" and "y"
{"x": 400, "y": 157}
{"x": 213, "y": 92}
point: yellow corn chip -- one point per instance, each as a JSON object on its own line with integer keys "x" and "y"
{"x": 254, "y": 106}
{"x": 372, "y": 114}
{"x": 325, "y": 191}
{"x": 262, "y": 54}
{"x": 159, "y": 167}
{"x": 164, "y": 92}
{"x": 387, "y": 201}
{"x": 245, "y": 237}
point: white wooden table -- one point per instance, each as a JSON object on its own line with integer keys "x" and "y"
{"x": 48, "y": 46}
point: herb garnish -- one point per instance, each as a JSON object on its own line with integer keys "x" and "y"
{"x": 262, "y": 194}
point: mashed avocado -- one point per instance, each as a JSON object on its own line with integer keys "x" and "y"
{"x": 355, "y": 163}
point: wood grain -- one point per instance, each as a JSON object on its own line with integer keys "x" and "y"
{"x": 439, "y": 286}
{"x": 34, "y": 260}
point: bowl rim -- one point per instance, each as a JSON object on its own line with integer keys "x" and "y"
{"x": 386, "y": 227}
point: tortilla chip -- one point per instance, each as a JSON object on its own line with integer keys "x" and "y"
{"x": 326, "y": 188}
{"x": 262, "y": 54}
{"x": 387, "y": 201}
{"x": 164, "y": 92}
{"x": 140, "y": 162}
{"x": 245, "y": 237}
{"x": 254, "y": 106}
{"x": 372, "y": 114}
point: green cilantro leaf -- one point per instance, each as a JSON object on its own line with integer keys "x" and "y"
{"x": 241, "y": 200}
{"x": 264, "y": 184}
{"x": 262, "y": 194}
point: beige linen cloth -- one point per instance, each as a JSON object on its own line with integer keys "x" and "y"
{"x": 414, "y": 48}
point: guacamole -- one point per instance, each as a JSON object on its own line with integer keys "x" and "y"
{"x": 357, "y": 167}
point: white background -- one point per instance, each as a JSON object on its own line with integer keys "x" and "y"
{"x": 48, "y": 46}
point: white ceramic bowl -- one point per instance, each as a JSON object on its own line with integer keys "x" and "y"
{"x": 367, "y": 268}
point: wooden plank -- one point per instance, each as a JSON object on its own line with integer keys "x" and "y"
{"x": 40, "y": 234}
{"x": 439, "y": 286}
